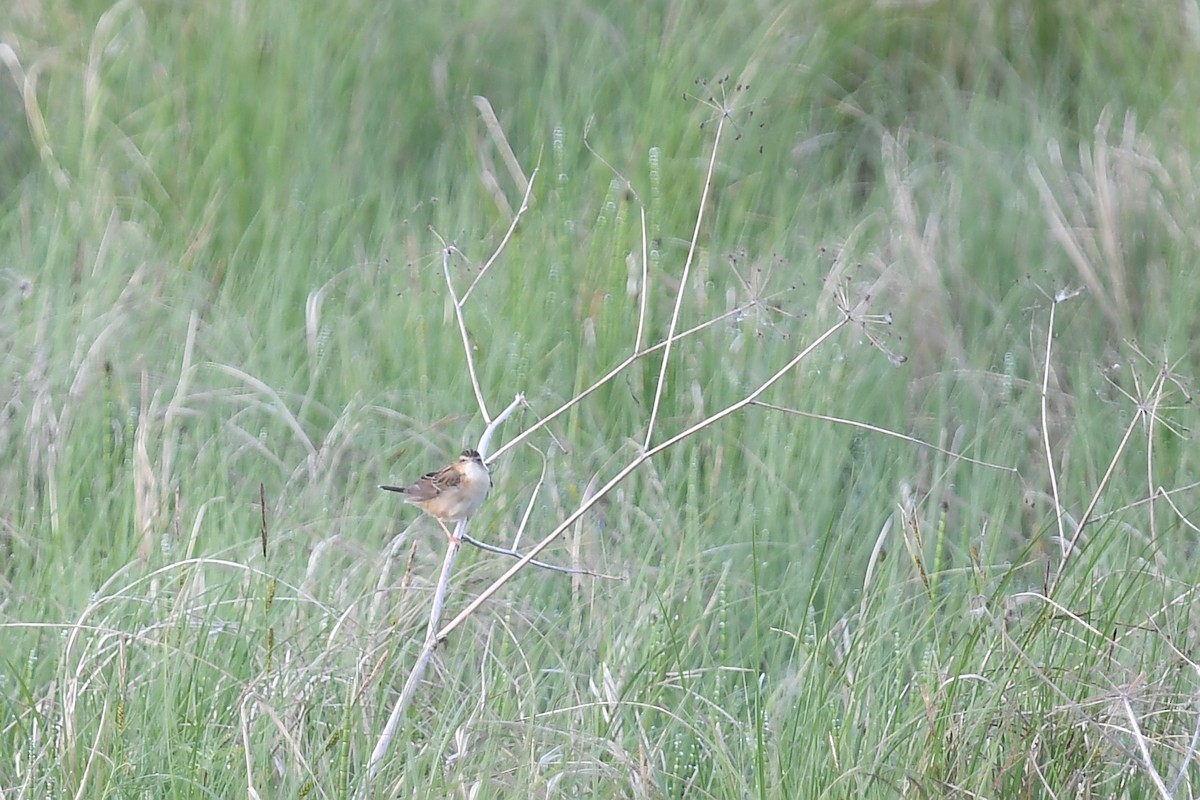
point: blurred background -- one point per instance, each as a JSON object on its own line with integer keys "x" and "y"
{"x": 221, "y": 279}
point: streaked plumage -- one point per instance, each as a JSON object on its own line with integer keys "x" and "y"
{"x": 451, "y": 493}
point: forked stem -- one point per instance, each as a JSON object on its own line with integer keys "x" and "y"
{"x": 435, "y": 614}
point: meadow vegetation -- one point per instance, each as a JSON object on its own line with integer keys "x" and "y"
{"x": 258, "y": 258}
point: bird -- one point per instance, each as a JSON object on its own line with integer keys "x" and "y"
{"x": 451, "y": 493}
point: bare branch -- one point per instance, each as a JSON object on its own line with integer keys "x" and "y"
{"x": 874, "y": 429}
{"x": 504, "y": 551}
{"x": 447, "y": 250}
{"x": 610, "y": 375}
{"x": 507, "y": 236}
{"x": 687, "y": 268}
{"x": 1087, "y": 515}
{"x": 1058, "y": 509}
{"x": 435, "y": 613}
{"x": 641, "y": 458}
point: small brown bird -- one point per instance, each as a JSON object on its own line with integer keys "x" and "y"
{"x": 451, "y": 493}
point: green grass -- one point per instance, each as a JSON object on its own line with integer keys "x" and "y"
{"x": 219, "y": 276}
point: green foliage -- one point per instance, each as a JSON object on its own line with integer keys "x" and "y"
{"x": 221, "y": 279}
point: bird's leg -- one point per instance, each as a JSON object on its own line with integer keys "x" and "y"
{"x": 453, "y": 539}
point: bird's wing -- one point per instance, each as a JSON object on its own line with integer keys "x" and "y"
{"x": 444, "y": 478}
{"x": 432, "y": 484}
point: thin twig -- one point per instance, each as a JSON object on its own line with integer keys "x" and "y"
{"x": 508, "y": 235}
{"x": 504, "y": 551}
{"x": 874, "y": 429}
{"x": 644, "y": 289}
{"x": 1069, "y": 547}
{"x": 1058, "y": 516}
{"x": 1153, "y": 507}
{"x": 447, "y": 250}
{"x": 1187, "y": 758}
{"x": 1167, "y": 494}
{"x": 1136, "y": 732}
{"x": 485, "y": 441}
{"x": 687, "y": 268}
{"x": 537, "y": 488}
{"x": 613, "y": 373}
